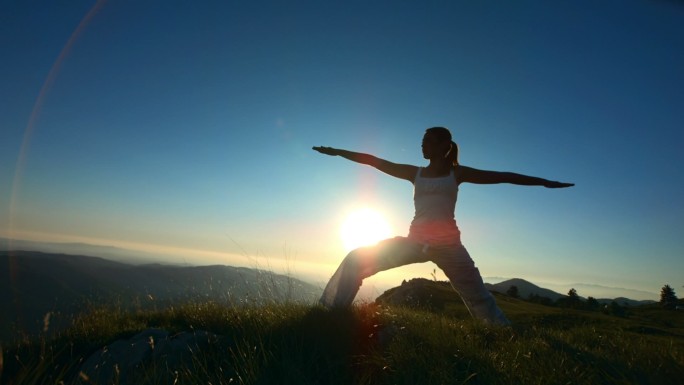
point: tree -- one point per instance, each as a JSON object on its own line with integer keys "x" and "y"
{"x": 513, "y": 291}
{"x": 592, "y": 303}
{"x": 572, "y": 300}
{"x": 667, "y": 297}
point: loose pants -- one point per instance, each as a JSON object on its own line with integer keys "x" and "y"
{"x": 454, "y": 260}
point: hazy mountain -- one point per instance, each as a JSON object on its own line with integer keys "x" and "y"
{"x": 525, "y": 289}
{"x": 600, "y": 291}
{"x": 33, "y": 284}
{"x": 76, "y": 248}
{"x": 622, "y": 301}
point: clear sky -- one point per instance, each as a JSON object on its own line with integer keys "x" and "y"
{"x": 186, "y": 128}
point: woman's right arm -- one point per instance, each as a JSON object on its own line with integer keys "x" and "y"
{"x": 401, "y": 171}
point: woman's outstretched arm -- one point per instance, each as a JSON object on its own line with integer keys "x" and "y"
{"x": 473, "y": 175}
{"x": 401, "y": 171}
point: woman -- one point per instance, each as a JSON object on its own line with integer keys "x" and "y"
{"x": 433, "y": 235}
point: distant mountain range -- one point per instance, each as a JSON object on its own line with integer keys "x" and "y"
{"x": 526, "y": 289}
{"x": 136, "y": 257}
{"x": 436, "y": 295}
{"x": 79, "y": 248}
{"x": 33, "y": 284}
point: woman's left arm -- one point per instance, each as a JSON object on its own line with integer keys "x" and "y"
{"x": 473, "y": 175}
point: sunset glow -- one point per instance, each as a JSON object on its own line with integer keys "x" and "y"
{"x": 364, "y": 227}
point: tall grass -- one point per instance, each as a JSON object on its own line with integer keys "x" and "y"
{"x": 367, "y": 344}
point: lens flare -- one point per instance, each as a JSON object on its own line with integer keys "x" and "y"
{"x": 363, "y": 227}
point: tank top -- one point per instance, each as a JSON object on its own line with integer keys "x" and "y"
{"x": 434, "y": 200}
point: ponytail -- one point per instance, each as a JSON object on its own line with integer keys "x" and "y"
{"x": 452, "y": 154}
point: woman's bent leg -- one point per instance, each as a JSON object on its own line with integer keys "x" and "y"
{"x": 466, "y": 280}
{"x": 364, "y": 262}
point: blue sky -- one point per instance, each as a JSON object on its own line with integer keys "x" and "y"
{"x": 186, "y": 128}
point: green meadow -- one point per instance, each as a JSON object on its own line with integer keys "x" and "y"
{"x": 369, "y": 344}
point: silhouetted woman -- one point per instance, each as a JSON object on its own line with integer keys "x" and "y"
{"x": 433, "y": 235}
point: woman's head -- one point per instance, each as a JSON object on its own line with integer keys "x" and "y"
{"x": 437, "y": 144}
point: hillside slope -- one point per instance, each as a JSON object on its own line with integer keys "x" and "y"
{"x": 34, "y": 284}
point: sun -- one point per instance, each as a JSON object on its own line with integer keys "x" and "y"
{"x": 364, "y": 227}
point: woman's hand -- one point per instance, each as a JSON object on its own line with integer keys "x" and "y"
{"x": 554, "y": 184}
{"x": 401, "y": 171}
{"x": 327, "y": 150}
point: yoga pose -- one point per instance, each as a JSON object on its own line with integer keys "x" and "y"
{"x": 433, "y": 234}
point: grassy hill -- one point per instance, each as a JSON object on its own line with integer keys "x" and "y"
{"x": 371, "y": 343}
{"x": 33, "y": 284}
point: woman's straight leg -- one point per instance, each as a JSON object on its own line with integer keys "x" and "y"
{"x": 363, "y": 262}
{"x": 465, "y": 278}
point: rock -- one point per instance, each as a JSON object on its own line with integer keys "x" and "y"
{"x": 116, "y": 362}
